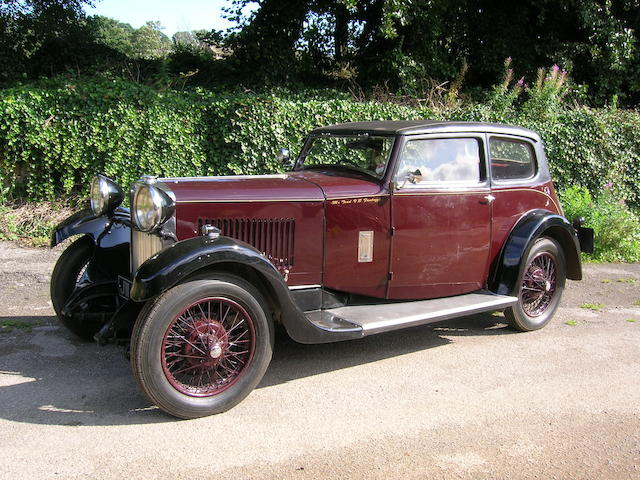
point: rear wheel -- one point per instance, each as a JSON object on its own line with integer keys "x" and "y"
{"x": 202, "y": 347}
{"x": 68, "y": 274}
{"x": 540, "y": 286}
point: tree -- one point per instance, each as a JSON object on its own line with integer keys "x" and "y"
{"x": 113, "y": 33}
{"x": 185, "y": 38}
{"x": 400, "y": 42}
{"x": 38, "y": 35}
{"x": 149, "y": 42}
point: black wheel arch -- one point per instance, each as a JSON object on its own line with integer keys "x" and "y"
{"x": 531, "y": 226}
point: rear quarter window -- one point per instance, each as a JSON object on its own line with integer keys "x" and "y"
{"x": 511, "y": 159}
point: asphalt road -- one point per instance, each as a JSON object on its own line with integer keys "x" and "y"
{"x": 468, "y": 398}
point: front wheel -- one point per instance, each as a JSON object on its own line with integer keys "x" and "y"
{"x": 540, "y": 286}
{"x": 202, "y": 346}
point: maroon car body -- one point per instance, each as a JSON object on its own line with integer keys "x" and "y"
{"x": 378, "y": 226}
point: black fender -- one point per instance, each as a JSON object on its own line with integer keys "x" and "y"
{"x": 531, "y": 226}
{"x": 110, "y": 235}
{"x": 177, "y": 262}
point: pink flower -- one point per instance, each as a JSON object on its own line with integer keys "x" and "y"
{"x": 622, "y": 202}
{"x": 608, "y": 186}
{"x": 555, "y": 68}
{"x": 521, "y": 82}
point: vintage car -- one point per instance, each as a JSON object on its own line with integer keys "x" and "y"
{"x": 377, "y": 226}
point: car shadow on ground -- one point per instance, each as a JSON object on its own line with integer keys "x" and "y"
{"x": 50, "y": 377}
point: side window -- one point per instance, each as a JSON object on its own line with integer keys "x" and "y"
{"x": 441, "y": 160}
{"x": 511, "y": 159}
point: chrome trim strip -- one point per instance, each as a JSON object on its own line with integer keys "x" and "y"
{"x": 264, "y": 200}
{"x": 212, "y": 178}
{"x": 353, "y": 197}
{"x": 452, "y": 192}
{"x": 303, "y": 287}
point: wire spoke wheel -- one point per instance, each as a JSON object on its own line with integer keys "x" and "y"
{"x": 538, "y": 284}
{"x": 208, "y": 346}
{"x": 539, "y": 287}
{"x": 202, "y": 346}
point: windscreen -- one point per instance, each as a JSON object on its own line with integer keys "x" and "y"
{"x": 367, "y": 154}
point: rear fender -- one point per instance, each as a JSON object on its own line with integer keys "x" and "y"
{"x": 533, "y": 225}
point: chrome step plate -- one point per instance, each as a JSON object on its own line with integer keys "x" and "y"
{"x": 378, "y": 318}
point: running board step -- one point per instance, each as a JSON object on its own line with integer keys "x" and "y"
{"x": 378, "y": 318}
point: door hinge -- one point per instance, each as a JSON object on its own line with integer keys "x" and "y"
{"x": 390, "y": 276}
{"x": 392, "y": 232}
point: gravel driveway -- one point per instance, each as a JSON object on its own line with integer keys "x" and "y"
{"x": 468, "y": 398}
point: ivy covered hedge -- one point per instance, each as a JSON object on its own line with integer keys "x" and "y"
{"x": 55, "y": 136}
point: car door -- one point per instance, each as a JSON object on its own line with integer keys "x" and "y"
{"x": 441, "y": 217}
{"x": 357, "y": 244}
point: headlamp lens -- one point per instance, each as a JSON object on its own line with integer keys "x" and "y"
{"x": 151, "y": 207}
{"x": 105, "y": 195}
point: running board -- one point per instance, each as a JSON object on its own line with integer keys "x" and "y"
{"x": 378, "y": 318}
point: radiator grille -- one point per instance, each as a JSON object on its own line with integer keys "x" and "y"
{"x": 143, "y": 246}
{"x": 274, "y": 237}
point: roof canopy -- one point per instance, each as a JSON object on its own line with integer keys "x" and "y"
{"x": 416, "y": 127}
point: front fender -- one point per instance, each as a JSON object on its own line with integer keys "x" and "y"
{"x": 99, "y": 229}
{"x": 531, "y": 226}
{"x": 177, "y": 262}
{"x": 111, "y": 236}
{"x": 173, "y": 264}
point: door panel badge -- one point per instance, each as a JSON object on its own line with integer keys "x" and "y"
{"x": 365, "y": 247}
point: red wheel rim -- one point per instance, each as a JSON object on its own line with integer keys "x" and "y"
{"x": 208, "y": 347}
{"x": 539, "y": 285}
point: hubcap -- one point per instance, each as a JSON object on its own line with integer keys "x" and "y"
{"x": 208, "y": 347}
{"x": 539, "y": 284}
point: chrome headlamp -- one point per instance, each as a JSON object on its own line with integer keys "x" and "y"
{"x": 151, "y": 206}
{"x": 105, "y": 195}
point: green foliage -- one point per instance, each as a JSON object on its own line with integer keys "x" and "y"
{"x": 617, "y": 229}
{"x": 53, "y": 138}
{"x": 113, "y": 33}
{"x": 147, "y": 42}
{"x": 56, "y": 135}
{"x": 400, "y": 44}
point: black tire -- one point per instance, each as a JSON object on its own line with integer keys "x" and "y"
{"x": 174, "y": 346}
{"x": 64, "y": 281}
{"x": 539, "y": 288}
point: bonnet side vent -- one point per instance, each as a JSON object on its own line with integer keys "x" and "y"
{"x": 274, "y": 237}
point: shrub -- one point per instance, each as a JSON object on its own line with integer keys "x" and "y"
{"x": 617, "y": 229}
{"x": 55, "y": 135}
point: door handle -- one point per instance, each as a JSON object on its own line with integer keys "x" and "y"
{"x": 487, "y": 200}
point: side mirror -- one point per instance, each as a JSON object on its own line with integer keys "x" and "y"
{"x": 284, "y": 157}
{"x": 412, "y": 177}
